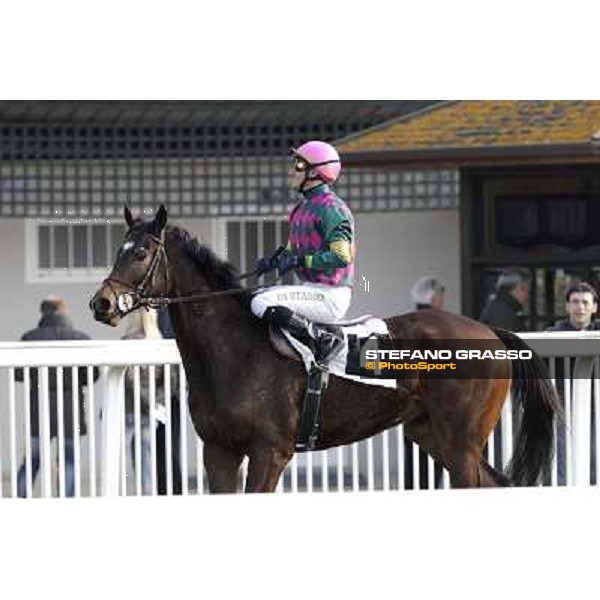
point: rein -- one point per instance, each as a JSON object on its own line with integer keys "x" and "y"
{"x": 161, "y": 301}
{"x": 129, "y": 301}
{"x": 165, "y": 301}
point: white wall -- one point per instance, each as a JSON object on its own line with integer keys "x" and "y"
{"x": 20, "y": 301}
{"x": 396, "y": 249}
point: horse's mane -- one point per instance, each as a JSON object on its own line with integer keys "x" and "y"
{"x": 220, "y": 274}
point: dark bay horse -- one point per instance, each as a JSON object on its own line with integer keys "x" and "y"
{"x": 246, "y": 400}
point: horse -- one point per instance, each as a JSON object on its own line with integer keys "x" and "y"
{"x": 245, "y": 398}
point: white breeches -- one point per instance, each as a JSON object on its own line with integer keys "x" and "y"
{"x": 317, "y": 302}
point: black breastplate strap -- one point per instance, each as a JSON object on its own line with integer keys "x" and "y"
{"x": 311, "y": 420}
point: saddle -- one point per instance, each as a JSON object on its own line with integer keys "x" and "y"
{"x": 283, "y": 346}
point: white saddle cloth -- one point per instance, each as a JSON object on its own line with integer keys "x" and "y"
{"x": 337, "y": 366}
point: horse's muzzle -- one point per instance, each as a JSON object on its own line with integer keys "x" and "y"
{"x": 103, "y": 309}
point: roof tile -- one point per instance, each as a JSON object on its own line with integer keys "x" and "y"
{"x": 469, "y": 124}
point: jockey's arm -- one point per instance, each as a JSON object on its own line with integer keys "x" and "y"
{"x": 338, "y": 254}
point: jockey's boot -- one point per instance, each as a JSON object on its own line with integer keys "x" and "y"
{"x": 323, "y": 342}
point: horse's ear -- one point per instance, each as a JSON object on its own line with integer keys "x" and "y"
{"x": 161, "y": 219}
{"x": 128, "y": 217}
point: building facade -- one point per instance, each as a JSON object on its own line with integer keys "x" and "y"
{"x": 529, "y": 189}
{"x": 220, "y": 168}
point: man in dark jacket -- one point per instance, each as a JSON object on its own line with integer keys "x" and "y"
{"x": 54, "y": 325}
{"x": 581, "y": 305}
{"x": 505, "y": 308}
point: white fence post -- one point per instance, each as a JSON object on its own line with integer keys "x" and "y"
{"x": 507, "y": 429}
{"x": 581, "y": 419}
{"x": 44, "y": 425}
{"x": 112, "y": 402}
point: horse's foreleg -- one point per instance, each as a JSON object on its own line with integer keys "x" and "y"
{"x": 265, "y": 468}
{"x": 222, "y": 467}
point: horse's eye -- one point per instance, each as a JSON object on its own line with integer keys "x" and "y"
{"x": 140, "y": 253}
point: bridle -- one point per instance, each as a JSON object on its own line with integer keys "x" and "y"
{"x": 127, "y": 302}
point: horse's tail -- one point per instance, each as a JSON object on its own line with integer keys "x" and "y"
{"x": 532, "y": 388}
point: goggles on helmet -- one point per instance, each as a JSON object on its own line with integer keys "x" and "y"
{"x": 301, "y": 165}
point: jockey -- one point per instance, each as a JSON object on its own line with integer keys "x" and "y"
{"x": 320, "y": 250}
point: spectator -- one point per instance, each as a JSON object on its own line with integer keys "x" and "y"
{"x": 505, "y": 308}
{"x": 164, "y": 323}
{"x": 54, "y": 325}
{"x": 141, "y": 325}
{"x": 581, "y": 305}
{"x": 427, "y": 292}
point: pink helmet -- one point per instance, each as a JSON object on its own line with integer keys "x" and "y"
{"x": 322, "y": 158}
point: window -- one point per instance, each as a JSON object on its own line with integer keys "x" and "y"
{"x": 243, "y": 241}
{"x": 560, "y": 220}
{"x": 71, "y": 250}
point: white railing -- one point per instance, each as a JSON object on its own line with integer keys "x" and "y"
{"x": 104, "y": 466}
{"x": 579, "y": 354}
{"x": 101, "y": 464}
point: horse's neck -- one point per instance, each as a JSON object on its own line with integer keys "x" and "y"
{"x": 188, "y": 281}
{"x": 202, "y": 328}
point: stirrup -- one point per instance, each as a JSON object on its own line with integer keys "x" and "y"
{"x": 328, "y": 345}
